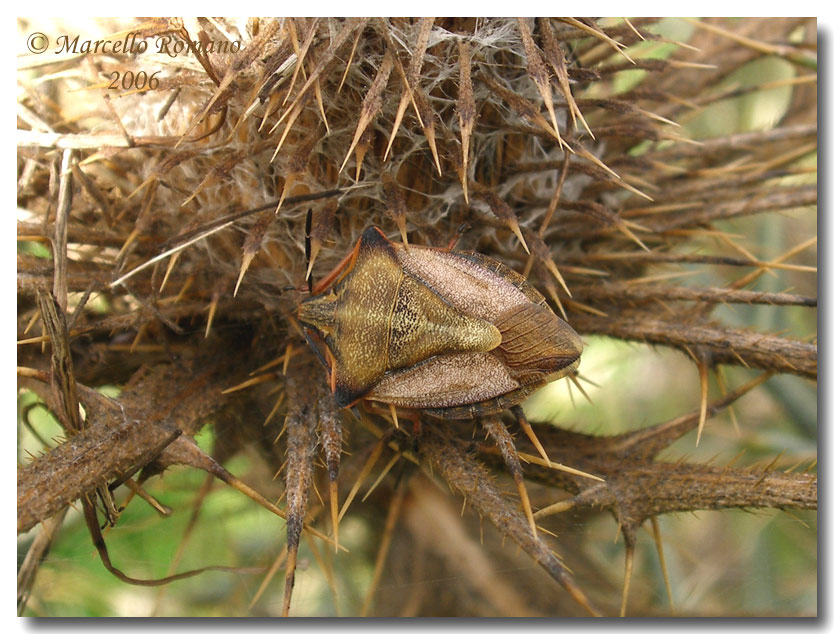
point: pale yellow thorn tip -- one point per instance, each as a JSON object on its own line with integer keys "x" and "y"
{"x": 433, "y": 147}
{"x": 554, "y": 270}
{"x": 522, "y": 240}
{"x": 630, "y": 234}
{"x": 210, "y": 320}
{"x": 346, "y": 160}
{"x": 403, "y": 235}
{"x": 170, "y": 268}
{"x": 334, "y": 513}
{"x": 629, "y": 568}
{"x": 128, "y": 242}
{"x": 358, "y": 166}
{"x": 528, "y": 431}
{"x": 397, "y": 120}
{"x": 244, "y": 265}
{"x": 525, "y": 504}
{"x": 314, "y": 251}
{"x": 287, "y": 184}
{"x": 553, "y": 509}
{"x": 702, "y": 419}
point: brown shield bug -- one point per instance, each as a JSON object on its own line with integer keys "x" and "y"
{"x": 455, "y": 334}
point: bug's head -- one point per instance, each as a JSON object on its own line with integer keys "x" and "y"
{"x": 319, "y": 312}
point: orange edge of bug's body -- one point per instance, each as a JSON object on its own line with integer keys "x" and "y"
{"x": 347, "y": 263}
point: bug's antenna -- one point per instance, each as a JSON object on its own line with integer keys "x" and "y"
{"x": 308, "y": 226}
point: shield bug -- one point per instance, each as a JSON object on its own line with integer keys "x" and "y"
{"x": 455, "y": 334}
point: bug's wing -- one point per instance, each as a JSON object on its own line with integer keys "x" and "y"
{"x": 385, "y": 319}
{"x": 446, "y": 381}
{"x": 464, "y": 282}
{"x": 504, "y": 272}
{"x": 536, "y": 346}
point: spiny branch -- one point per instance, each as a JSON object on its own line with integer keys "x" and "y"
{"x": 623, "y": 291}
{"x": 472, "y": 481}
{"x": 724, "y": 345}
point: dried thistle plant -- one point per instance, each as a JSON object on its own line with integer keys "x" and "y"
{"x": 162, "y": 250}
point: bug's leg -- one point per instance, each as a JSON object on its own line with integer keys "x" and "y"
{"x": 528, "y": 430}
{"x": 326, "y": 359}
{"x": 463, "y": 228}
{"x": 505, "y": 445}
{"x": 416, "y": 423}
{"x": 407, "y": 414}
{"x": 331, "y": 365}
{"x": 395, "y": 413}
